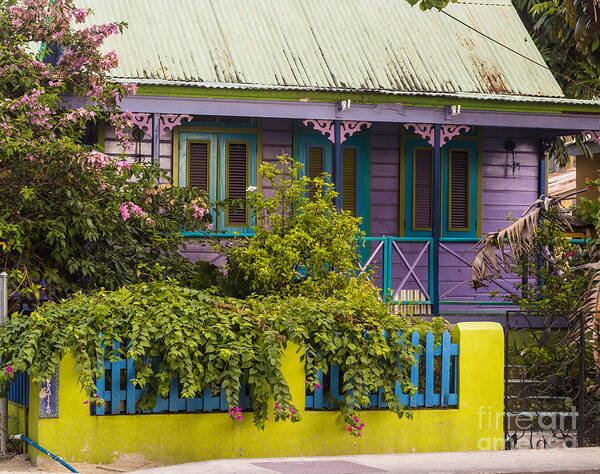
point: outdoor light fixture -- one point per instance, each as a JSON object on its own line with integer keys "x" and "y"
{"x": 138, "y": 135}
{"x": 344, "y": 105}
{"x": 509, "y": 146}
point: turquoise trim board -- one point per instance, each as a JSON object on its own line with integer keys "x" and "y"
{"x": 218, "y": 169}
{"x": 474, "y": 192}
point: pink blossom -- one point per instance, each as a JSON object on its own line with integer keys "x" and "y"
{"x": 124, "y": 208}
{"x": 122, "y": 165}
{"x": 80, "y": 15}
{"x": 198, "y": 211}
{"x": 130, "y": 88}
{"x": 9, "y": 370}
{"x": 209, "y": 227}
{"x": 149, "y": 222}
{"x": 86, "y": 402}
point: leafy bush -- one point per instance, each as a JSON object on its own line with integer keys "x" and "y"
{"x": 302, "y": 246}
{"x": 203, "y": 339}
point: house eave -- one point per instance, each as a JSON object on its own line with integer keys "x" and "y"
{"x": 547, "y": 124}
{"x": 480, "y": 100}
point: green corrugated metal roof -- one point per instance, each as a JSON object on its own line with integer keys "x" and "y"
{"x": 352, "y": 45}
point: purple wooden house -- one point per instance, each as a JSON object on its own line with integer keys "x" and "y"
{"x": 433, "y": 133}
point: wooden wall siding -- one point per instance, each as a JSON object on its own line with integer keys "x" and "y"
{"x": 112, "y": 148}
{"x": 385, "y": 152}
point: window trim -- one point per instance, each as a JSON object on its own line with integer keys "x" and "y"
{"x": 475, "y": 195}
{"x": 471, "y": 143}
{"x": 226, "y": 181}
{"x": 180, "y": 168}
{"x": 414, "y": 188}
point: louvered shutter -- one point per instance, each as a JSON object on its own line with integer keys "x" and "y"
{"x": 349, "y": 187}
{"x": 423, "y": 187}
{"x": 459, "y": 189}
{"x": 198, "y": 165}
{"x": 315, "y": 165}
{"x": 237, "y": 178}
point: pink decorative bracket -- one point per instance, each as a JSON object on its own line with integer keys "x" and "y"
{"x": 447, "y": 132}
{"x": 594, "y": 135}
{"x": 143, "y": 122}
{"x": 347, "y": 128}
{"x": 167, "y": 122}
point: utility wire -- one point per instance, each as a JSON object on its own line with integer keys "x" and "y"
{"x": 518, "y": 53}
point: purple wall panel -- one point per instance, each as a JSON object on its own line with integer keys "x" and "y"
{"x": 385, "y": 146}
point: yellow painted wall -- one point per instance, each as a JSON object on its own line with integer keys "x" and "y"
{"x": 17, "y": 419}
{"x": 172, "y": 438}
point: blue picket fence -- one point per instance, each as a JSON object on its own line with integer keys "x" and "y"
{"x": 121, "y": 396}
{"x": 19, "y": 389}
{"x": 440, "y": 386}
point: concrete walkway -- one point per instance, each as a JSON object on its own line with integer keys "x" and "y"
{"x": 583, "y": 460}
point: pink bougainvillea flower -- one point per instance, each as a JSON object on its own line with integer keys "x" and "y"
{"x": 86, "y": 402}
{"x": 9, "y": 370}
{"x": 124, "y": 209}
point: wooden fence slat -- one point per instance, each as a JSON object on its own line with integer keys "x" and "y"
{"x": 210, "y": 403}
{"x": 445, "y": 383}
{"x": 429, "y": 353}
{"x": 334, "y": 377}
{"x": 131, "y": 398}
{"x": 318, "y": 395}
{"x": 414, "y": 370}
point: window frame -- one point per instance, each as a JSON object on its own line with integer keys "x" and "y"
{"x": 470, "y": 143}
{"x": 218, "y": 138}
{"x": 471, "y": 187}
{"x": 224, "y": 142}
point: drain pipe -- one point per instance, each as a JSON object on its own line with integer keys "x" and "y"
{"x": 38, "y": 447}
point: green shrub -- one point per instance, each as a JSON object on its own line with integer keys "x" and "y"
{"x": 302, "y": 246}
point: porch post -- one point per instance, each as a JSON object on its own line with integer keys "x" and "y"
{"x": 436, "y": 221}
{"x": 156, "y": 139}
{"x": 338, "y": 165}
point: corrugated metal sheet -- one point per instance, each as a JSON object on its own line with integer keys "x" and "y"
{"x": 354, "y": 45}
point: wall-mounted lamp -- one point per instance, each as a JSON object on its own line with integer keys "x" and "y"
{"x": 138, "y": 135}
{"x": 509, "y": 147}
{"x": 343, "y": 105}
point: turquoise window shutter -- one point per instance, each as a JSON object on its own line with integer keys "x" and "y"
{"x": 460, "y": 194}
{"x": 460, "y": 191}
{"x": 226, "y": 163}
{"x": 237, "y": 172}
{"x": 190, "y": 161}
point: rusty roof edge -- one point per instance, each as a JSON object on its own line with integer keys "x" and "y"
{"x": 450, "y": 95}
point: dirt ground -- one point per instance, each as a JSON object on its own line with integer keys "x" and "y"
{"x": 125, "y": 463}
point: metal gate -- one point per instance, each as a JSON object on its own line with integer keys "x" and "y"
{"x": 552, "y": 379}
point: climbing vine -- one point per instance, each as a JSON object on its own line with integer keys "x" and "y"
{"x": 201, "y": 339}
